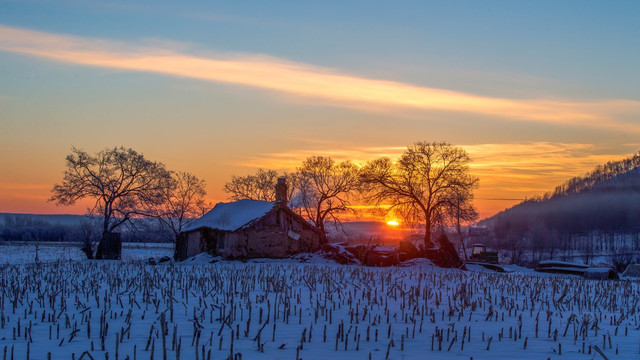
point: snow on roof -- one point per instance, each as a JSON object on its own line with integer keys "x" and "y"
{"x": 561, "y": 263}
{"x": 231, "y": 216}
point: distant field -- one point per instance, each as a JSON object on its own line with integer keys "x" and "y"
{"x": 25, "y": 252}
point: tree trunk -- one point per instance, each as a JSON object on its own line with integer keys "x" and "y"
{"x": 181, "y": 245}
{"x": 448, "y": 256}
{"x": 427, "y": 236}
{"x": 464, "y": 248}
{"x": 110, "y": 247}
{"x": 87, "y": 248}
{"x": 323, "y": 234}
{"x": 106, "y": 218}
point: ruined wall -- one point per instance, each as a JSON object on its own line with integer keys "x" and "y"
{"x": 191, "y": 243}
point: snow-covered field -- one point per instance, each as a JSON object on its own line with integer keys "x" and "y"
{"x": 24, "y": 252}
{"x": 289, "y": 309}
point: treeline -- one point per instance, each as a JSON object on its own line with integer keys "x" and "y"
{"x": 25, "y": 228}
{"x": 21, "y": 227}
{"x": 602, "y": 176}
{"x": 580, "y": 214}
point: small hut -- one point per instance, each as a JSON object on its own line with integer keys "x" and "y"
{"x": 249, "y": 229}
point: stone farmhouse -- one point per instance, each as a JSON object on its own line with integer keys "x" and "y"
{"x": 249, "y": 229}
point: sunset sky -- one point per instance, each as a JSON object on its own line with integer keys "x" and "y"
{"x": 536, "y": 92}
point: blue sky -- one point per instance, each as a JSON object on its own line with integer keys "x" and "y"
{"x": 351, "y": 79}
{"x": 581, "y": 43}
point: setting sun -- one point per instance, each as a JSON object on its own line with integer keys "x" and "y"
{"x": 393, "y": 223}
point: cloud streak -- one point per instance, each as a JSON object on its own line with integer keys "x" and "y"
{"x": 306, "y": 81}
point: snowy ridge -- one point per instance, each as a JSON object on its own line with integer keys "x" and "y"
{"x": 231, "y": 216}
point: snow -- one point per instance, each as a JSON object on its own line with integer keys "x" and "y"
{"x": 14, "y": 253}
{"x": 632, "y": 271}
{"x": 596, "y": 270}
{"x": 282, "y": 309}
{"x": 418, "y": 262}
{"x": 231, "y": 216}
{"x": 561, "y": 263}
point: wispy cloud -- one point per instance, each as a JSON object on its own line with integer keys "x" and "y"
{"x": 307, "y": 81}
{"x": 534, "y": 167}
{"x": 517, "y": 159}
{"x": 292, "y": 159}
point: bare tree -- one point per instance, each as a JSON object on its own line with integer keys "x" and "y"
{"x": 421, "y": 184}
{"x": 120, "y": 181}
{"x": 259, "y": 186}
{"x": 324, "y": 188}
{"x": 183, "y": 201}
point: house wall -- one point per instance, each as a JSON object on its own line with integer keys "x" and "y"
{"x": 295, "y": 234}
{"x": 269, "y": 237}
{"x": 195, "y": 243}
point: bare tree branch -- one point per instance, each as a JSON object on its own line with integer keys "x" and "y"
{"x": 120, "y": 181}
{"x": 260, "y": 186}
{"x": 183, "y": 201}
{"x": 325, "y": 188}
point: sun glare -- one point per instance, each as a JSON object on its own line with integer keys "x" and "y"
{"x": 393, "y": 223}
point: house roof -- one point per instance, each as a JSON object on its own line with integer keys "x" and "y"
{"x": 231, "y": 216}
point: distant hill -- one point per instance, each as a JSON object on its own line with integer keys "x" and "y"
{"x": 51, "y": 219}
{"x": 614, "y": 176}
{"x": 605, "y": 200}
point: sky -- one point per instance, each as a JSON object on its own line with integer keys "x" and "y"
{"x": 536, "y": 92}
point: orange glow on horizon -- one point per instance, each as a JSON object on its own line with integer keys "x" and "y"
{"x": 508, "y": 173}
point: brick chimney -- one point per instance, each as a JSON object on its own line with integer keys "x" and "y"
{"x": 281, "y": 191}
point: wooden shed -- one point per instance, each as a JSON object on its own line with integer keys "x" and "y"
{"x": 249, "y": 229}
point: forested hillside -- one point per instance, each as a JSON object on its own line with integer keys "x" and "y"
{"x": 597, "y": 212}
{"x": 618, "y": 176}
